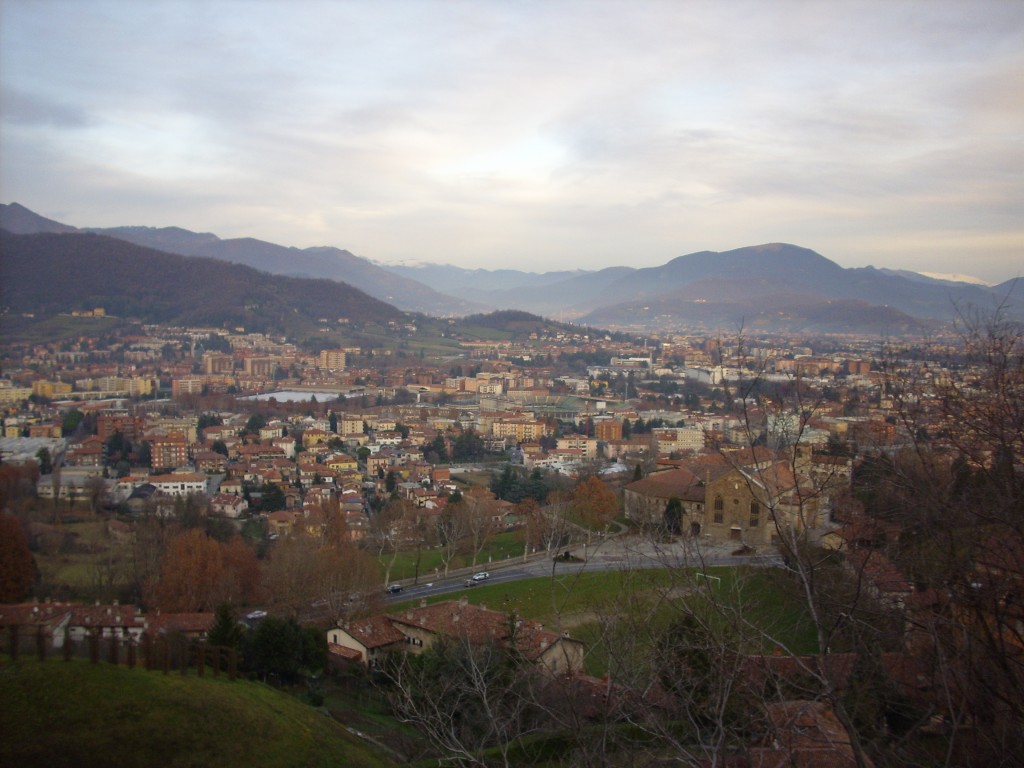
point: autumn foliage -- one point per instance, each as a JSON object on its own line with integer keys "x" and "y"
{"x": 199, "y": 573}
{"x": 594, "y": 503}
{"x": 17, "y": 568}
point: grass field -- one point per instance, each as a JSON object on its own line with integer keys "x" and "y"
{"x": 79, "y": 556}
{"x": 57, "y": 327}
{"x": 80, "y": 715}
{"x": 501, "y": 547}
{"x": 758, "y": 606}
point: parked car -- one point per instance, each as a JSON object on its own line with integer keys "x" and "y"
{"x": 394, "y": 589}
{"x": 481, "y": 576}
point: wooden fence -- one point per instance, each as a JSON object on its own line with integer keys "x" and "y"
{"x": 163, "y": 653}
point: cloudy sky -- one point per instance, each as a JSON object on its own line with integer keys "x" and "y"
{"x": 529, "y": 134}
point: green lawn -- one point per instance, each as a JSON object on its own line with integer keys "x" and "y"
{"x": 500, "y": 547}
{"x": 80, "y": 715}
{"x": 758, "y": 606}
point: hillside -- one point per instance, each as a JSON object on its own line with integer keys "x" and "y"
{"x": 82, "y": 715}
{"x": 317, "y": 263}
{"x": 47, "y": 274}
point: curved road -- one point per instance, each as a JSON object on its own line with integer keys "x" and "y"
{"x": 611, "y": 554}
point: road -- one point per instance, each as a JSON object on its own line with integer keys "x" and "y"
{"x": 611, "y": 554}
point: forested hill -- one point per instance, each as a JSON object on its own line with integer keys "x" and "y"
{"x": 47, "y": 274}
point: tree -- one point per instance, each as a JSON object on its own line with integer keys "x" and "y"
{"x": 72, "y": 419}
{"x": 595, "y": 503}
{"x": 280, "y": 647}
{"x": 17, "y": 566}
{"x": 439, "y": 450}
{"x": 227, "y": 631}
{"x": 469, "y": 446}
{"x": 255, "y": 423}
{"x": 452, "y": 526}
{"x": 480, "y": 525}
{"x": 240, "y": 583}
{"x": 961, "y": 499}
{"x": 385, "y": 532}
{"x": 271, "y": 498}
{"x": 673, "y": 517}
{"x": 45, "y": 461}
{"x": 470, "y": 700}
{"x": 191, "y": 573}
{"x": 290, "y": 573}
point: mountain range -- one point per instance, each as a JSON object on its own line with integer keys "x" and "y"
{"x": 775, "y": 286}
{"x": 49, "y": 273}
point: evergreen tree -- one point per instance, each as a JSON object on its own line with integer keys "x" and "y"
{"x": 45, "y": 461}
{"x": 226, "y": 631}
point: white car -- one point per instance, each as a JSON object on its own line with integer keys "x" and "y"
{"x": 481, "y": 576}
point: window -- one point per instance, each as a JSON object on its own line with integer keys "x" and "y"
{"x": 755, "y": 514}
{"x": 719, "y": 510}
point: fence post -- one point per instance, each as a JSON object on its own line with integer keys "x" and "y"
{"x": 94, "y": 647}
{"x": 40, "y": 643}
{"x": 233, "y": 664}
{"x": 131, "y": 655}
{"x": 113, "y": 652}
{"x": 147, "y": 652}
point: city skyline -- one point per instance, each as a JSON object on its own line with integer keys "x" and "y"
{"x": 533, "y": 136}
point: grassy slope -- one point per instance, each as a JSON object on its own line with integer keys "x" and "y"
{"x": 79, "y": 714}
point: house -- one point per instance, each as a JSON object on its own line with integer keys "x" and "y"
{"x": 179, "y": 484}
{"x": 364, "y": 640}
{"x": 114, "y": 621}
{"x": 193, "y": 625}
{"x": 806, "y": 734}
{"x": 419, "y": 628}
{"x": 281, "y": 523}
{"x": 51, "y": 619}
{"x": 880, "y": 577}
{"x": 228, "y": 505}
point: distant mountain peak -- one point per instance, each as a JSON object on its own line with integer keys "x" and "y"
{"x": 20, "y": 220}
{"x": 956, "y": 278}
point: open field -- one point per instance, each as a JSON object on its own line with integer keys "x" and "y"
{"x": 759, "y": 606}
{"x": 76, "y": 559}
{"x": 501, "y": 547}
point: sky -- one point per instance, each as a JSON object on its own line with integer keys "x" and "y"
{"x": 535, "y": 135}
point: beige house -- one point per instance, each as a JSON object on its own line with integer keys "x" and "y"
{"x": 365, "y": 640}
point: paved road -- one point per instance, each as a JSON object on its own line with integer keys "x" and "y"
{"x": 612, "y": 554}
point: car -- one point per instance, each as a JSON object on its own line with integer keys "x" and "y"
{"x": 394, "y": 589}
{"x": 481, "y": 576}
